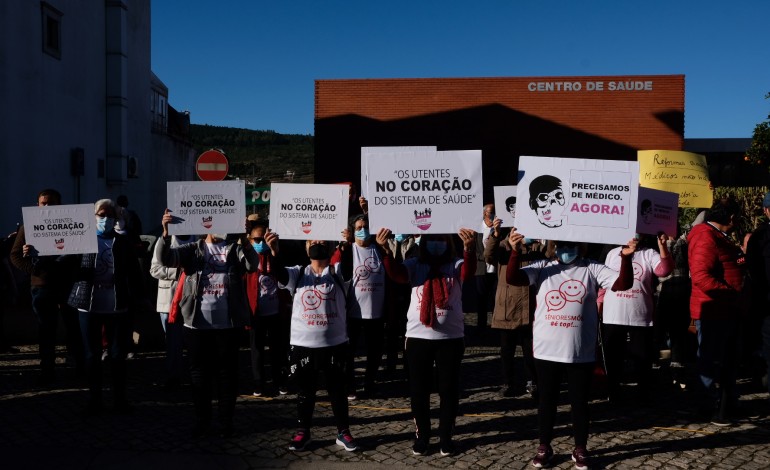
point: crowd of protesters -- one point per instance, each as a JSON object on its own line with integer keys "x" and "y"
{"x": 312, "y": 309}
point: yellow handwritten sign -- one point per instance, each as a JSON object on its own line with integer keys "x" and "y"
{"x": 684, "y": 173}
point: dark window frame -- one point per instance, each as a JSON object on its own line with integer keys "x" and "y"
{"x": 51, "y": 25}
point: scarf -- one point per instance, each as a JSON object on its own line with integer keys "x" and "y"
{"x": 173, "y": 310}
{"x": 252, "y": 283}
{"x": 435, "y": 294}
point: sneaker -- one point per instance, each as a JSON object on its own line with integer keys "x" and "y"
{"x": 420, "y": 447}
{"x": 448, "y": 448}
{"x": 345, "y": 440}
{"x": 543, "y": 457}
{"x": 352, "y": 396}
{"x": 300, "y": 440}
{"x": 257, "y": 392}
{"x": 283, "y": 390}
{"x": 580, "y": 457}
{"x": 719, "y": 420}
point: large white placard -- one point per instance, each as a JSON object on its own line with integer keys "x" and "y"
{"x": 577, "y": 199}
{"x": 505, "y": 204}
{"x": 61, "y": 230}
{"x": 308, "y": 211}
{"x": 658, "y": 212}
{"x": 424, "y": 192}
{"x": 366, "y": 151}
{"x": 201, "y": 207}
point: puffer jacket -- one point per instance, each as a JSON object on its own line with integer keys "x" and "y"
{"x": 127, "y": 274}
{"x": 168, "y": 278}
{"x": 716, "y": 270}
{"x": 241, "y": 258}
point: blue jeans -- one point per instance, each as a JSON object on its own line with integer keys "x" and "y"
{"x": 174, "y": 345}
{"x": 718, "y": 354}
{"x": 117, "y": 331}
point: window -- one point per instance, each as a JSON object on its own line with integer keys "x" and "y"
{"x": 159, "y": 111}
{"x": 51, "y": 28}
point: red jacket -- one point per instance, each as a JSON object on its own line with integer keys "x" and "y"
{"x": 716, "y": 271}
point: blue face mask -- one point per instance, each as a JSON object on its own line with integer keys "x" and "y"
{"x": 436, "y": 247}
{"x": 399, "y": 237}
{"x": 362, "y": 234}
{"x": 567, "y": 255}
{"x": 528, "y": 241}
{"x": 260, "y": 247}
{"x": 104, "y": 225}
{"x": 417, "y": 240}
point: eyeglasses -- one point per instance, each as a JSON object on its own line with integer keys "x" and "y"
{"x": 543, "y": 197}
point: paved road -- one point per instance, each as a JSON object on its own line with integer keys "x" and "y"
{"x": 42, "y": 427}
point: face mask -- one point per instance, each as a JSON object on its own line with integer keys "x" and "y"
{"x": 436, "y": 248}
{"x": 417, "y": 240}
{"x": 219, "y": 237}
{"x": 260, "y": 247}
{"x": 567, "y": 255}
{"x": 318, "y": 251}
{"x": 104, "y": 225}
{"x": 528, "y": 241}
{"x": 362, "y": 234}
{"x": 399, "y": 237}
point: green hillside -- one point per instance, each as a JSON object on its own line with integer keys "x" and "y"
{"x": 258, "y": 156}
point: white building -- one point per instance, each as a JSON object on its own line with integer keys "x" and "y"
{"x": 81, "y": 111}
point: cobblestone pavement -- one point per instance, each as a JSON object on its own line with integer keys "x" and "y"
{"x": 43, "y": 427}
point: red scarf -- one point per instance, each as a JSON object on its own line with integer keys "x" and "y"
{"x": 435, "y": 294}
{"x": 252, "y": 283}
{"x": 173, "y": 310}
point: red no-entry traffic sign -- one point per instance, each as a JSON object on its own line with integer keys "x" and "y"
{"x": 211, "y": 166}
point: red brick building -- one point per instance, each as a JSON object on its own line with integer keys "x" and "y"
{"x": 608, "y": 117}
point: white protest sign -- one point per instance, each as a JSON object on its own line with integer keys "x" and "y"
{"x": 658, "y": 212}
{"x": 424, "y": 192}
{"x": 505, "y": 204}
{"x": 201, "y": 207}
{"x": 61, "y": 230}
{"x": 308, "y": 211}
{"x": 366, "y": 151}
{"x": 577, "y": 199}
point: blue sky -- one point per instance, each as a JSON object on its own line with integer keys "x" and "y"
{"x": 252, "y": 64}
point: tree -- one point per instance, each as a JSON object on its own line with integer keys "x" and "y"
{"x": 759, "y": 152}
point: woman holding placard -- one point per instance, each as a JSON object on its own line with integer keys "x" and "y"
{"x": 435, "y": 327}
{"x": 565, "y": 331}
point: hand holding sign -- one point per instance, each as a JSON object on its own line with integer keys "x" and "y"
{"x": 515, "y": 239}
{"x": 382, "y": 239}
{"x": 468, "y": 237}
{"x": 271, "y": 238}
{"x": 630, "y": 247}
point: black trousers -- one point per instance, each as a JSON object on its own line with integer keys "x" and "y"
{"x": 304, "y": 366}
{"x": 549, "y": 378}
{"x": 271, "y": 331}
{"x": 373, "y": 332}
{"x": 213, "y": 356}
{"x": 509, "y": 339}
{"x": 636, "y": 342}
{"x": 447, "y": 355}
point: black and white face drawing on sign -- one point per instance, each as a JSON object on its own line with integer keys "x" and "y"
{"x": 510, "y": 206}
{"x": 547, "y": 199}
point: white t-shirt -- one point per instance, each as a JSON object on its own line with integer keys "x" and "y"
{"x": 318, "y": 312}
{"x": 450, "y": 322}
{"x": 214, "y": 288}
{"x": 632, "y": 307}
{"x": 267, "y": 300}
{"x": 368, "y": 284}
{"x": 566, "y": 317}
